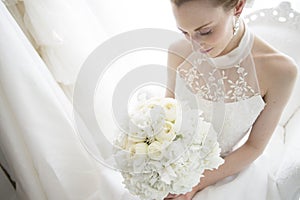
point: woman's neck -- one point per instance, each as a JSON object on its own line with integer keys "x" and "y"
{"x": 234, "y": 42}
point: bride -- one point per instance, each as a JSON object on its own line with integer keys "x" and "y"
{"x": 230, "y": 66}
{"x": 255, "y": 80}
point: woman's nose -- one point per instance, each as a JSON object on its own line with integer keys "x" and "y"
{"x": 196, "y": 44}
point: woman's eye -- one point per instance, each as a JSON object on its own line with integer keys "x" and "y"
{"x": 206, "y": 32}
{"x": 185, "y": 33}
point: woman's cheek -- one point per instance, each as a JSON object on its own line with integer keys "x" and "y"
{"x": 220, "y": 38}
{"x": 214, "y": 39}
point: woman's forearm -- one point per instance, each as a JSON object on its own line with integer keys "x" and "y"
{"x": 234, "y": 163}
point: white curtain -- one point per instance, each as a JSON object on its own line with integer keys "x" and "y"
{"x": 117, "y": 16}
{"x": 37, "y": 137}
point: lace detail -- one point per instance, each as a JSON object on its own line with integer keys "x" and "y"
{"x": 230, "y": 120}
{"x": 226, "y": 89}
{"x": 214, "y": 85}
{"x": 228, "y": 78}
{"x": 212, "y": 89}
{"x": 240, "y": 89}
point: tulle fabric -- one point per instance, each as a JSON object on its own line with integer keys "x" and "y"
{"x": 37, "y": 135}
{"x": 64, "y": 33}
{"x": 251, "y": 183}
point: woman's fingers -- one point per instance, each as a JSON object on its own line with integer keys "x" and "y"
{"x": 171, "y": 196}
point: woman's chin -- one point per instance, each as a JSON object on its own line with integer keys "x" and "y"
{"x": 216, "y": 54}
{"x": 206, "y": 51}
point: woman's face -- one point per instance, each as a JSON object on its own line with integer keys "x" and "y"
{"x": 208, "y": 28}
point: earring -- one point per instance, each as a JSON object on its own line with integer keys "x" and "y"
{"x": 236, "y": 25}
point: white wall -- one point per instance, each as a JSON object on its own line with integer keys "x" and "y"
{"x": 123, "y": 15}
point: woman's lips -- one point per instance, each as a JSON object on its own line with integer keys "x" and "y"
{"x": 205, "y": 51}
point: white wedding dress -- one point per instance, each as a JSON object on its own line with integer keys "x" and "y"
{"x": 43, "y": 151}
{"x": 227, "y": 90}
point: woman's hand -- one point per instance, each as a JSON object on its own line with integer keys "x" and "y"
{"x": 187, "y": 196}
{"x": 171, "y": 196}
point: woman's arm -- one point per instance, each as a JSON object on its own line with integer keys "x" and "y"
{"x": 280, "y": 79}
{"x": 176, "y": 55}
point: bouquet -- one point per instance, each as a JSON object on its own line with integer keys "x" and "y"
{"x": 164, "y": 148}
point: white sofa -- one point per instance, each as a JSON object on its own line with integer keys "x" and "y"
{"x": 280, "y": 26}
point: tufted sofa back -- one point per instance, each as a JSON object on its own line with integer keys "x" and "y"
{"x": 280, "y": 26}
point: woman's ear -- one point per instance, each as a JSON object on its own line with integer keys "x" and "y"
{"x": 239, "y": 7}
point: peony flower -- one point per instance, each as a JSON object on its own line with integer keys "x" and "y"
{"x": 166, "y": 149}
{"x": 155, "y": 150}
{"x": 168, "y": 175}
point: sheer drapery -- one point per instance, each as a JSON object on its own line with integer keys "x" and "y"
{"x": 37, "y": 137}
{"x": 64, "y": 33}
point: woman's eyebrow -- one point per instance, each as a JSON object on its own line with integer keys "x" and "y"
{"x": 197, "y": 29}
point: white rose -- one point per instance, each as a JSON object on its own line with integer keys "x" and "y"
{"x": 152, "y": 102}
{"x": 155, "y": 150}
{"x": 139, "y": 148}
{"x": 145, "y": 106}
{"x": 171, "y": 107}
{"x": 167, "y": 134}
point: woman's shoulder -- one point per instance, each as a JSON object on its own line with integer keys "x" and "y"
{"x": 178, "y": 52}
{"x": 272, "y": 65}
{"x": 272, "y": 60}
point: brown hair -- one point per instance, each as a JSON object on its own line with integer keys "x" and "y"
{"x": 227, "y": 4}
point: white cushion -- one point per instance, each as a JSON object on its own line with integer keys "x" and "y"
{"x": 280, "y": 27}
{"x": 293, "y": 130}
{"x": 276, "y": 149}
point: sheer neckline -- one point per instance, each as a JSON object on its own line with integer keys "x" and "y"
{"x": 237, "y": 55}
{"x": 256, "y": 97}
{"x": 230, "y": 77}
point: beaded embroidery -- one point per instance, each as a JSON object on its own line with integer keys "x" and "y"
{"x": 212, "y": 86}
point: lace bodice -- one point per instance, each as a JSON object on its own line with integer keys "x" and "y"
{"x": 226, "y": 89}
